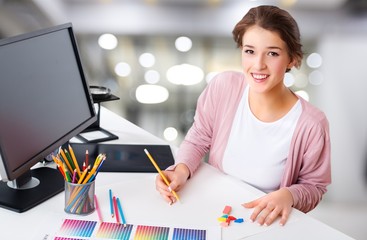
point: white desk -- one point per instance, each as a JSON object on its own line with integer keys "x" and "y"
{"x": 203, "y": 199}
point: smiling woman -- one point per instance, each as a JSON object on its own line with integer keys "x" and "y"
{"x": 239, "y": 115}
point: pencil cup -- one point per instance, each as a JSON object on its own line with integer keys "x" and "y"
{"x": 79, "y": 198}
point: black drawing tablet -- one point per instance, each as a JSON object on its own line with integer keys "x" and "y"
{"x": 125, "y": 157}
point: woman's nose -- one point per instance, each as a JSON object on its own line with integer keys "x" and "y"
{"x": 259, "y": 62}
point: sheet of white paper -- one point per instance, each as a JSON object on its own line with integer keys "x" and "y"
{"x": 93, "y": 135}
{"x": 202, "y": 202}
{"x": 75, "y": 140}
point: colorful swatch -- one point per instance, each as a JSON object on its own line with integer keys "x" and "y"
{"x": 66, "y": 238}
{"x": 188, "y": 234}
{"x": 77, "y": 228}
{"x": 114, "y": 231}
{"x": 151, "y": 233}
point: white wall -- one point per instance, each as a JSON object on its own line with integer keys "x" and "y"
{"x": 343, "y": 97}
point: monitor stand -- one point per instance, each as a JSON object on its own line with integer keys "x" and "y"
{"x": 44, "y": 183}
{"x": 94, "y": 133}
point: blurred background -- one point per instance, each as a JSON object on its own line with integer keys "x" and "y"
{"x": 158, "y": 55}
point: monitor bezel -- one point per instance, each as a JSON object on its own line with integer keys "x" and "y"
{"x": 11, "y": 174}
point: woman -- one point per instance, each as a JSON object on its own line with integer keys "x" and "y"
{"x": 253, "y": 126}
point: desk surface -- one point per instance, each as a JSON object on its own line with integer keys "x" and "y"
{"x": 202, "y": 201}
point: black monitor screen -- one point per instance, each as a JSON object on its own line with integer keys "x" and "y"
{"x": 44, "y": 97}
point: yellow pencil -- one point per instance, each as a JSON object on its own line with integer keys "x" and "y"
{"x": 59, "y": 164}
{"x": 160, "y": 172}
{"x": 90, "y": 174}
{"x": 83, "y": 175}
{"x": 66, "y": 160}
{"x": 74, "y": 160}
{"x": 77, "y": 189}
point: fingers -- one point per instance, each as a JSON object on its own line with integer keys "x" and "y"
{"x": 177, "y": 178}
{"x": 250, "y": 204}
{"x": 166, "y": 191}
{"x": 260, "y": 208}
{"x": 271, "y": 206}
{"x": 265, "y": 213}
{"x": 270, "y": 218}
{"x": 285, "y": 216}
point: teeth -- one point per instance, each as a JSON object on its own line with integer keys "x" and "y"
{"x": 259, "y": 76}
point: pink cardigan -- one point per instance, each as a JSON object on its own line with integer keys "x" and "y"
{"x": 307, "y": 170}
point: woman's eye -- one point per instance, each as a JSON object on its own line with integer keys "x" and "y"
{"x": 274, "y": 54}
{"x": 248, "y": 51}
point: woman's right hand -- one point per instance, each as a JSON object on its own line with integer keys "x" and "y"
{"x": 177, "y": 178}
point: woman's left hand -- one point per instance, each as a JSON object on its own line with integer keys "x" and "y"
{"x": 270, "y": 206}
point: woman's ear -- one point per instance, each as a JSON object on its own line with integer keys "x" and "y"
{"x": 291, "y": 64}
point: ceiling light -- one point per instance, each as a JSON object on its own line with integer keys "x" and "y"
{"x": 314, "y": 60}
{"x": 288, "y": 79}
{"x": 147, "y": 60}
{"x": 170, "y": 134}
{"x": 183, "y": 44}
{"x": 107, "y": 41}
{"x": 315, "y": 78}
{"x": 151, "y": 94}
{"x": 185, "y": 74}
{"x": 122, "y": 69}
{"x": 152, "y": 76}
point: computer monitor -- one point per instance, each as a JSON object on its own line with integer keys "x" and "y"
{"x": 44, "y": 101}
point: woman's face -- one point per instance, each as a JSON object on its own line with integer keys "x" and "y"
{"x": 264, "y": 59}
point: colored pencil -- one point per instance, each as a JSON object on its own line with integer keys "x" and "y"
{"x": 74, "y": 176}
{"x": 160, "y": 172}
{"x": 115, "y": 209}
{"x": 67, "y": 154}
{"x": 86, "y": 157}
{"x": 83, "y": 175}
{"x": 98, "y": 209}
{"x": 121, "y": 212}
{"x": 65, "y": 160}
{"x": 74, "y": 160}
{"x": 67, "y": 173}
{"x": 59, "y": 164}
{"x": 111, "y": 203}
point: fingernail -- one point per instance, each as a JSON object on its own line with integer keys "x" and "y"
{"x": 169, "y": 189}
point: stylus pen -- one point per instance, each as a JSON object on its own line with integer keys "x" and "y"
{"x": 111, "y": 203}
{"x": 121, "y": 212}
{"x": 160, "y": 172}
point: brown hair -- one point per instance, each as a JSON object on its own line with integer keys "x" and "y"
{"x": 274, "y": 19}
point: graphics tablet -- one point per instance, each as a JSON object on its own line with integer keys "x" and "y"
{"x": 125, "y": 157}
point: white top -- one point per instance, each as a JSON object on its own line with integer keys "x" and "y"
{"x": 256, "y": 150}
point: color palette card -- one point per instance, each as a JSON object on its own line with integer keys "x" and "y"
{"x": 77, "y": 228}
{"x": 72, "y": 229}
